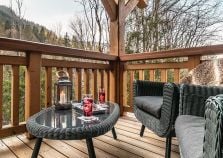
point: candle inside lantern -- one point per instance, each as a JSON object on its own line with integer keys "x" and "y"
{"x": 62, "y": 97}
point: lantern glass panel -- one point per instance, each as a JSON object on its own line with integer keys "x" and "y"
{"x": 63, "y": 93}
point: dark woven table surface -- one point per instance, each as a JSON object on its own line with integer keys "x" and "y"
{"x": 65, "y": 124}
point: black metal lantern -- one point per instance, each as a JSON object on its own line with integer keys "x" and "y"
{"x": 62, "y": 91}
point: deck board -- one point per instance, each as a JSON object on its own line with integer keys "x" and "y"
{"x": 128, "y": 144}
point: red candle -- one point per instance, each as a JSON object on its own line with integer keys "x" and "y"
{"x": 101, "y": 95}
{"x": 88, "y": 106}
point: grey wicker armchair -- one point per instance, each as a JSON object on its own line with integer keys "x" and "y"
{"x": 156, "y": 107}
{"x": 199, "y": 131}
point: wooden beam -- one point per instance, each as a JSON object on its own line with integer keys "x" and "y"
{"x": 9, "y": 131}
{"x": 42, "y": 48}
{"x": 193, "y": 61}
{"x": 126, "y": 9}
{"x": 174, "y": 53}
{"x": 111, "y": 8}
{"x": 114, "y": 38}
{"x": 156, "y": 66}
{"x": 142, "y": 4}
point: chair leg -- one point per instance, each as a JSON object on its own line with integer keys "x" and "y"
{"x": 168, "y": 146}
{"x": 114, "y": 133}
{"x": 142, "y": 130}
{"x": 37, "y": 147}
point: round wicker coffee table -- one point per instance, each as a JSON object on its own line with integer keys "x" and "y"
{"x": 70, "y": 125}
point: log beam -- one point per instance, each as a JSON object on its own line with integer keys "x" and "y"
{"x": 111, "y": 8}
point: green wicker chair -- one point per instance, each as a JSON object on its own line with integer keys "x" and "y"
{"x": 199, "y": 131}
{"x": 156, "y": 107}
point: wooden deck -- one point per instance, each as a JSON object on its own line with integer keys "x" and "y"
{"x": 129, "y": 144}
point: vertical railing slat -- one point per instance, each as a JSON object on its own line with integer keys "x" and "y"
{"x": 176, "y": 75}
{"x": 141, "y": 75}
{"x": 163, "y": 75}
{"x": 79, "y": 85}
{"x": 15, "y": 96}
{"x": 1, "y": 94}
{"x": 151, "y": 75}
{"x": 48, "y": 87}
{"x": 106, "y": 87}
{"x": 131, "y": 89}
{"x": 112, "y": 84}
{"x": 95, "y": 84}
{"x": 124, "y": 88}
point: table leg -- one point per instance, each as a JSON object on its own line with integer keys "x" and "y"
{"x": 90, "y": 148}
{"x": 114, "y": 133}
{"x": 37, "y": 147}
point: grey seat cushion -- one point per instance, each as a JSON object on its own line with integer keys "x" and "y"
{"x": 190, "y": 133}
{"x": 150, "y": 104}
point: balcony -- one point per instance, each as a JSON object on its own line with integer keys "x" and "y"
{"x": 88, "y": 70}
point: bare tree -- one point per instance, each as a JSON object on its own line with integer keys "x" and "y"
{"x": 168, "y": 24}
{"x": 92, "y": 28}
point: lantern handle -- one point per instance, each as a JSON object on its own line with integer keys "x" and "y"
{"x": 62, "y": 74}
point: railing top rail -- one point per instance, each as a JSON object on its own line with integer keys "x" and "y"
{"x": 27, "y": 46}
{"x": 182, "y": 52}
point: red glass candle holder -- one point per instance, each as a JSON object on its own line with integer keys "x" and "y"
{"x": 101, "y": 95}
{"x": 88, "y": 105}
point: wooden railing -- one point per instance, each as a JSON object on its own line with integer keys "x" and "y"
{"x": 160, "y": 66}
{"x": 88, "y": 71}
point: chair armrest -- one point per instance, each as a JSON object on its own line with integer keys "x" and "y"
{"x": 147, "y": 88}
{"x": 213, "y": 144}
{"x": 193, "y": 97}
{"x": 170, "y": 107}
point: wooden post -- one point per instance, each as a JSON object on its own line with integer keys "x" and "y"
{"x": 48, "y": 87}
{"x": 15, "y": 96}
{"x": 193, "y": 61}
{"x": 32, "y": 82}
{"x": 118, "y": 11}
